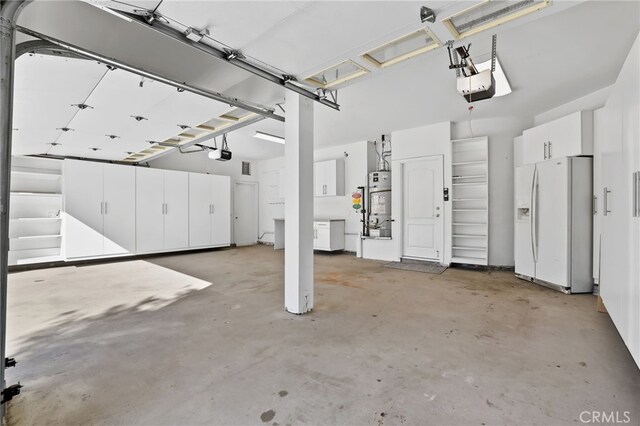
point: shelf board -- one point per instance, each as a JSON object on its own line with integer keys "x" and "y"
{"x": 469, "y": 248}
{"x": 35, "y": 237}
{"x": 37, "y": 194}
{"x": 470, "y": 177}
{"x": 470, "y": 223}
{"x": 470, "y": 183}
{"x": 36, "y": 175}
{"x": 468, "y": 259}
{"x": 470, "y": 199}
{"x": 36, "y": 219}
{"x": 470, "y": 210}
{"x": 41, "y": 259}
{"x": 469, "y": 236}
{"x": 470, "y": 163}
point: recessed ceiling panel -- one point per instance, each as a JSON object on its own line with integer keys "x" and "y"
{"x": 489, "y": 14}
{"x": 337, "y": 74}
{"x": 403, "y": 48}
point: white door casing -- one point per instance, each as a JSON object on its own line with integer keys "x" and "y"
{"x": 246, "y": 213}
{"x": 423, "y": 208}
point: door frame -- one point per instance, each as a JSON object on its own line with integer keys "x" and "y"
{"x": 255, "y": 202}
{"x": 399, "y": 205}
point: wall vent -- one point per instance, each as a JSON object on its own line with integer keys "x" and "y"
{"x": 246, "y": 168}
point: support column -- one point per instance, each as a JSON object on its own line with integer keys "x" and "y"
{"x": 298, "y": 212}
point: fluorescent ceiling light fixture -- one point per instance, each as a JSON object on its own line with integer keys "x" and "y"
{"x": 268, "y": 137}
{"x": 112, "y": 12}
{"x": 337, "y": 74}
{"x": 402, "y": 48}
{"x": 502, "y": 84}
{"x": 488, "y": 14}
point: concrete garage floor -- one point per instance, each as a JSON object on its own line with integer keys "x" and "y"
{"x": 203, "y": 339}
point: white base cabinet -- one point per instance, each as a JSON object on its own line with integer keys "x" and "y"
{"x": 162, "y": 205}
{"x": 99, "y": 209}
{"x": 328, "y": 235}
{"x": 209, "y": 210}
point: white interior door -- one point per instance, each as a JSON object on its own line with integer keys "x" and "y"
{"x": 119, "y": 209}
{"x": 423, "y": 215}
{"x": 176, "y": 210}
{"x": 83, "y": 204}
{"x": 149, "y": 210}
{"x": 246, "y": 213}
{"x": 552, "y": 221}
{"x": 200, "y": 210}
{"x": 221, "y": 210}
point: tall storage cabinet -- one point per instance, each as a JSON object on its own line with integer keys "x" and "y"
{"x": 209, "y": 210}
{"x": 162, "y": 204}
{"x": 99, "y": 209}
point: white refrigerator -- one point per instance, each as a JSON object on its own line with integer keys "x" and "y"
{"x": 553, "y": 223}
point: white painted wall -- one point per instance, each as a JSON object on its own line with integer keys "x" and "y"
{"x": 501, "y": 132}
{"x": 592, "y": 101}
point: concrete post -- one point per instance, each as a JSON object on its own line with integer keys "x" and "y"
{"x": 298, "y": 212}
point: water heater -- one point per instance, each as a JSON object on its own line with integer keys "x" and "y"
{"x": 379, "y": 221}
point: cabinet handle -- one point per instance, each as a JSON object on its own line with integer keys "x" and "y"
{"x": 211, "y": 208}
{"x": 595, "y": 204}
{"x": 605, "y": 201}
{"x": 166, "y": 208}
{"x": 545, "y": 150}
{"x": 101, "y": 207}
{"x": 105, "y": 207}
{"x": 550, "y": 150}
{"x": 636, "y": 194}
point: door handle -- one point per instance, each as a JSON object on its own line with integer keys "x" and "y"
{"x": 595, "y": 204}
{"x": 605, "y": 201}
{"x": 636, "y": 194}
{"x": 534, "y": 213}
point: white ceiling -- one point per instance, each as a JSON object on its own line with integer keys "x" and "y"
{"x": 550, "y": 57}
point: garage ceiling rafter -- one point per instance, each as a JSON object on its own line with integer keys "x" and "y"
{"x": 232, "y": 101}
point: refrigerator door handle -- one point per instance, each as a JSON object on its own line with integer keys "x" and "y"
{"x": 595, "y": 204}
{"x": 533, "y": 227}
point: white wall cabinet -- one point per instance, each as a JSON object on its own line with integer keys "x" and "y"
{"x": 328, "y": 235}
{"x": 209, "y": 210}
{"x": 568, "y": 136}
{"x": 162, "y": 203}
{"x": 329, "y": 178}
{"x": 99, "y": 205}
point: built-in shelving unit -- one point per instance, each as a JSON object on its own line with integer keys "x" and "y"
{"x": 35, "y": 225}
{"x": 470, "y": 198}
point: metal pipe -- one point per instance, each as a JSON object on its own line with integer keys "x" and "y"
{"x": 262, "y": 110}
{"x": 9, "y": 12}
{"x": 161, "y": 27}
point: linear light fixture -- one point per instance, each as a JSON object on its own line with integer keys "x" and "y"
{"x": 405, "y": 47}
{"x": 269, "y": 137}
{"x": 488, "y": 14}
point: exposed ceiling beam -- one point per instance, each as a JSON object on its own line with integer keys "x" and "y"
{"x": 231, "y": 58}
{"x": 258, "y": 109}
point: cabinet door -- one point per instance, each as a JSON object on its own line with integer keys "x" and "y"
{"x": 200, "y": 205}
{"x": 83, "y": 206}
{"x": 221, "y": 210}
{"x": 533, "y": 144}
{"x": 565, "y": 136}
{"x": 322, "y": 240}
{"x": 176, "y": 205}
{"x": 149, "y": 210}
{"x": 320, "y": 183}
{"x": 552, "y": 221}
{"x": 330, "y": 179}
{"x": 119, "y": 209}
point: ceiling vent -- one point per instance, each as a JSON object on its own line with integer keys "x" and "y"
{"x": 337, "y": 74}
{"x": 403, "y": 48}
{"x": 489, "y": 14}
{"x": 246, "y": 168}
